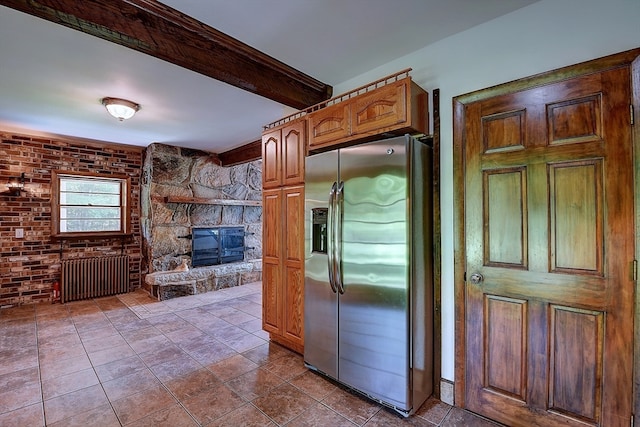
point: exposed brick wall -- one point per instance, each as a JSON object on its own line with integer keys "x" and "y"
{"x": 29, "y": 265}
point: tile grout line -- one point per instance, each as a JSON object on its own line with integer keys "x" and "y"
{"x": 35, "y": 321}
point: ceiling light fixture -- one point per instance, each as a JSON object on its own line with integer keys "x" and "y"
{"x": 121, "y": 109}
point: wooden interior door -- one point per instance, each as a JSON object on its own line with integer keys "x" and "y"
{"x": 549, "y": 252}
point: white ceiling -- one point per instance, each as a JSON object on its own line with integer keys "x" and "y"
{"x": 52, "y": 78}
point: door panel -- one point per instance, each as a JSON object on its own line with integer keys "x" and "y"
{"x": 575, "y": 120}
{"x": 321, "y": 308}
{"x": 503, "y": 131}
{"x": 575, "y": 194}
{"x": 549, "y": 234}
{"x": 576, "y": 362}
{"x": 506, "y": 332}
{"x": 374, "y": 309}
{"x": 505, "y": 237}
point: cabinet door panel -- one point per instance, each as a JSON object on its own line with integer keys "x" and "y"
{"x": 294, "y": 303}
{"x": 294, "y": 229}
{"x": 272, "y": 261}
{"x": 271, "y": 159}
{"x": 329, "y": 124}
{"x": 380, "y": 109}
{"x": 293, "y": 292}
{"x": 271, "y": 297}
{"x": 271, "y": 228}
{"x": 293, "y": 147}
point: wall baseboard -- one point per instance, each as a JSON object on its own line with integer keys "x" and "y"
{"x": 446, "y": 391}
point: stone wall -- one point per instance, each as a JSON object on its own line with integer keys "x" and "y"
{"x": 175, "y": 171}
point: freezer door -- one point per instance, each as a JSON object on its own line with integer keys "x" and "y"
{"x": 320, "y": 300}
{"x": 374, "y": 347}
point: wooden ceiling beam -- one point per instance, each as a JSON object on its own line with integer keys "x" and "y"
{"x": 158, "y": 30}
{"x": 246, "y": 153}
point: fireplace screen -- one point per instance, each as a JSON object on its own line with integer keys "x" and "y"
{"x": 216, "y": 245}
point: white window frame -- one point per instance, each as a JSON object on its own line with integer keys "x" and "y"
{"x": 56, "y": 206}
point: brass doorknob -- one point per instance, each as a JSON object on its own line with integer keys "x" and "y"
{"x": 476, "y": 278}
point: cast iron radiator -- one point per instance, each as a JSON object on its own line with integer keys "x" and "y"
{"x": 94, "y": 277}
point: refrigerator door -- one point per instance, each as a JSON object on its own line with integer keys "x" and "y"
{"x": 321, "y": 300}
{"x": 374, "y": 311}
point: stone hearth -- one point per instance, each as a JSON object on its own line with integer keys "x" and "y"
{"x": 169, "y": 284}
{"x": 181, "y": 189}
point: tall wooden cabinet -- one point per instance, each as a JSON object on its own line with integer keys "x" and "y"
{"x": 283, "y": 234}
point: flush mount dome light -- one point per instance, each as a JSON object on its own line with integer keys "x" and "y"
{"x": 121, "y": 109}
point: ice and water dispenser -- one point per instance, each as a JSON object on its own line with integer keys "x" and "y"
{"x": 319, "y": 230}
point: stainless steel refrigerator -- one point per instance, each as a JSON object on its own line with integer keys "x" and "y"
{"x": 369, "y": 269}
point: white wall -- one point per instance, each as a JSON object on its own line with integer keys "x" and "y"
{"x": 543, "y": 36}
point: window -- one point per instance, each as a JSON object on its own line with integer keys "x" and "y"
{"x": 88, "y": 205}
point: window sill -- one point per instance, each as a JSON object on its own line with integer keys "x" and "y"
{"x": 89, "y": 236}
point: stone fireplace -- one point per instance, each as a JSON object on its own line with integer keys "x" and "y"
{"x": 183, "y": 190}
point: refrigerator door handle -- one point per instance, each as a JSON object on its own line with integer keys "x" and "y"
{"x": 330, "y": 238}
{"x": 338, "y": 238}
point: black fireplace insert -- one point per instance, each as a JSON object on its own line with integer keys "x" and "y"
{"x": 216, "y": 245}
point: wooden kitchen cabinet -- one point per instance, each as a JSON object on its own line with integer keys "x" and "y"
{"x": 381, "y": 109}
{"x": 397, "y": 108}
{"x": 329, "y": 124}
{"x": 283, "y": 266}
{"x": 283, "y": 150}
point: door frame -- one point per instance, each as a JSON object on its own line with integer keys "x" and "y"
{"x": 627, "y": 58}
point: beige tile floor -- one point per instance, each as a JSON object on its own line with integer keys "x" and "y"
{"x": 201, "y": 360}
